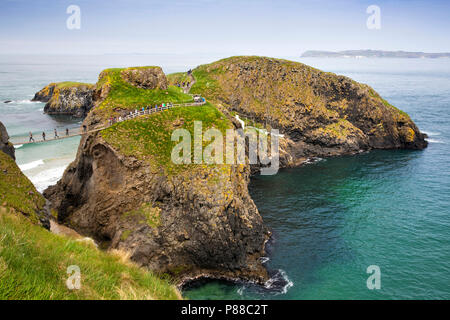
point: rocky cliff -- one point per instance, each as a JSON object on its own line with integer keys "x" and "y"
{"x": 5, "y": 145}
{"x": 320, "y": 114}
{"x": 199, "y": 220}
{"x": 17, "y": 193}
{"x": 123, "y": 190}
{"x": 66, "y": 98}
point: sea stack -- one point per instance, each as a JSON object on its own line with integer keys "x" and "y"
{"x": 66, "y": 98}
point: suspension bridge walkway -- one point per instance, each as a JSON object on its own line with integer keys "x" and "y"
{"x": 78, "y": 131}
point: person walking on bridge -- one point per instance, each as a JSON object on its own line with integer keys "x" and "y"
{"x": 43, "y": 136}
{"x": 31, "y": 137}
{"x": 56, "y": 134}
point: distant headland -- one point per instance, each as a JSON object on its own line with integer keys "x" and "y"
{"x": 373, "y": 54}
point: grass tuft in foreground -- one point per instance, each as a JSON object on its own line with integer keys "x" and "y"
{"x": 34, "y": 262}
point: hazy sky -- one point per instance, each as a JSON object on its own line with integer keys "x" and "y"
{"x": 274, "y": 28}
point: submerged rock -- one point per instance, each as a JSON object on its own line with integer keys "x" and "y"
{"x": 66, "y": 98}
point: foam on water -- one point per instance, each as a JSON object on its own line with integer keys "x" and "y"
{"x": 46, "y": 178}
{"x": 31, "y": 165}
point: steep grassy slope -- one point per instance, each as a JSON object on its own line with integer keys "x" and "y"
{"x": 18, "y": 193}
{"x": 115, "y": 94}
{"x": 33, "y": 261}
{"x": 149, "y": 138}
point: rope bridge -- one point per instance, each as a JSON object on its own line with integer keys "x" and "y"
{"x": 84, "y": 130}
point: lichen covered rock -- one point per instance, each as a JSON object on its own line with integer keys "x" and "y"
{"x": 145, "y": 77}
{"x": 320, "y": 114}
{"x": 67, "y": 98}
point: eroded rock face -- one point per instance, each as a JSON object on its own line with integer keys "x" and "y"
{"x": 201, "y": 222}
{"x": 5, "y": 145}
{"x": 145, "y": 77}
{"x": 320, "y": 114}
{"x": 66, "y": 99}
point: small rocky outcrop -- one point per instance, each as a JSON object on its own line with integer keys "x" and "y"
{"x": 67, "y": 98}
{"x": 145, "y": 77}
{"x": 5, "y": 145}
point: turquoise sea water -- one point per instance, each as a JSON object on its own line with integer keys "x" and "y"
{"x": 331, "y": 219}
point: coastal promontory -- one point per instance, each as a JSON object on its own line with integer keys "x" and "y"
{"x": 123, "y": 190}
{"x": 198, "y": 220}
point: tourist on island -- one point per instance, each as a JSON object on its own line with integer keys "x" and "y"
{"x": 84, "y": 128}
{"x": 43, "y": 135}
{"x": 56, "y": 134}
{"x": 67, "y": 131}
{"x": 31, "y": 137}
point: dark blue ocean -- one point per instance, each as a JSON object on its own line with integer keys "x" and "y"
{"x": 330, "y": 219}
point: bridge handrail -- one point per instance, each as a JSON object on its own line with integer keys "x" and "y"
{"x": 130, "y": 116}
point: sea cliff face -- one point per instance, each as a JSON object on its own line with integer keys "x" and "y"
{"x": 5, "y": 145}
{"x": 17, "y": 193}
{"x": 320, "y": 114}
{"x": 66, "y": 98}
{"x": 188, "y": 221}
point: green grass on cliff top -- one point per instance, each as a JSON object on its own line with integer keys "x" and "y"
{"x": 149, "y": 138}
{"x": 16, "y": 191}
{"x": 125, "y": 96}
{"x": 71, "y": 84}
{"x": 207, "y": 84}
{"x": 34, "y": 262}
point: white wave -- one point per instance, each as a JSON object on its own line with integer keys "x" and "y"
{"x": 279, "y": 276}
{"x": 31, "y": 165}
{"x": 46, "y": 178}
{"x": 434, "y": 141}
{"x": 17, "y": 146}
{"x": 313, "y": 160}
{"x": 430, "y": 134}
{"x": 264, "y": 259}
{"x": 24, "y": 102}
